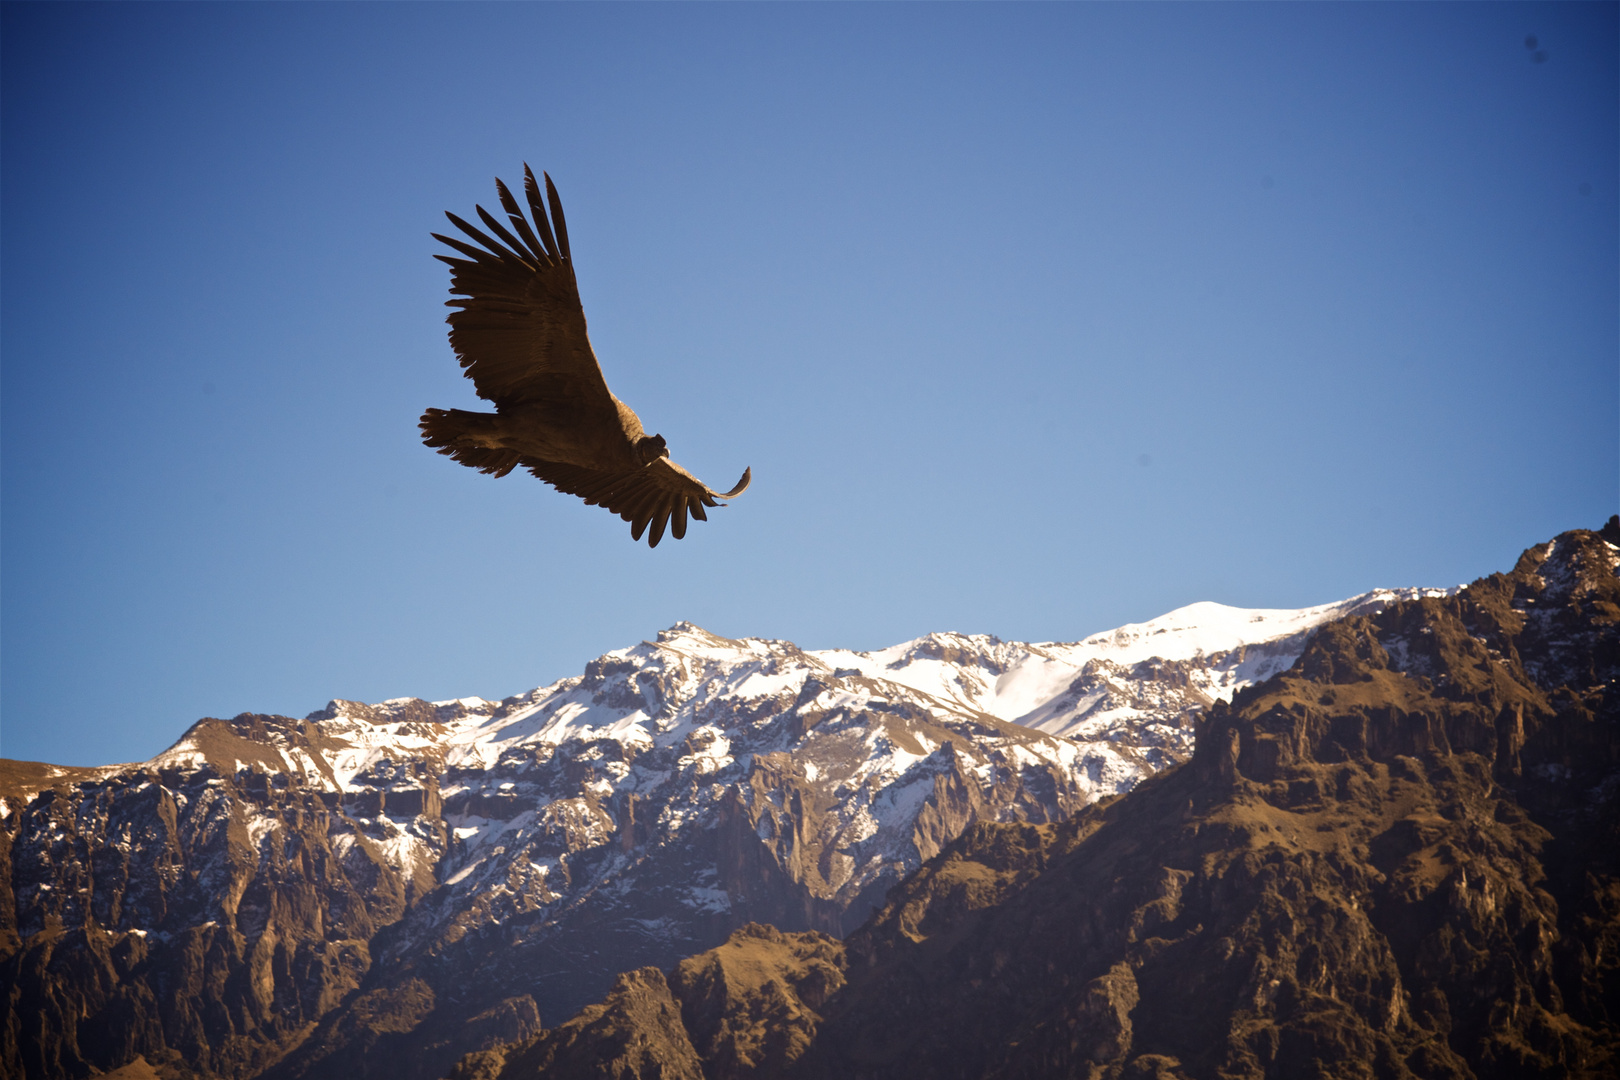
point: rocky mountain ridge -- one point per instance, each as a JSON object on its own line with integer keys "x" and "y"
{"x": 376, "y": 889}
{"x": 1399, "y": 858}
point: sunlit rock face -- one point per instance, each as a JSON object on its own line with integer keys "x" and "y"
{"x": 377, "y": 889}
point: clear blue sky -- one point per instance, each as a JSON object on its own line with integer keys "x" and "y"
{"x": 1031, "y": 320}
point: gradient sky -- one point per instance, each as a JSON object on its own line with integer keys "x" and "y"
{"x": 1031, "y": 320}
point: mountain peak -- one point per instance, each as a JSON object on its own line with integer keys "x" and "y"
{"x": 690, "y": 633}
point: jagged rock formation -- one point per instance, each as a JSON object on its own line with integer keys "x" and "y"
{"x": 743, "y": 1009}
{"x": 1400, "y": 858}
{"x": 376, "y": 890}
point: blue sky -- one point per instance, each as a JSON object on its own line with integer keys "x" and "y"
{"x": 1031, "y": 320}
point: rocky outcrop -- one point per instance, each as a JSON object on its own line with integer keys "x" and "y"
{"x": 1399, "y": 858}
{"x": 747, "y": 1008}
{"x": 635, "y": 1034}
{"x": 752, "y": 1004}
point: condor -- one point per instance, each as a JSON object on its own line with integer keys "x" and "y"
{"x": 519, "y": 332}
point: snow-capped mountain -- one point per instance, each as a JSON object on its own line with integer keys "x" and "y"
{"x": 461, "y": 868}
{"x": 1400, "y": 857}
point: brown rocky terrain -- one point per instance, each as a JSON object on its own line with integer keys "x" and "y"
{"x": 248, "y": 946}
{"x": 1400, "y": 858}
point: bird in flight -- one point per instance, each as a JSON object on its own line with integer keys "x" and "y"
{"x": 519, "y": 332}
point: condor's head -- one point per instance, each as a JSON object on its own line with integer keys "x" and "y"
{"x": 651, "y": 448}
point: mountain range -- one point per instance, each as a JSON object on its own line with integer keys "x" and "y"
{"x": 382, "y": 890}
{"x": 1398, "y": 858}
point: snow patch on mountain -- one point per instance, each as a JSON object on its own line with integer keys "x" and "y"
{"x": 1138, "y": 679}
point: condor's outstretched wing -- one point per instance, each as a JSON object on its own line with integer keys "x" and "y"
{"x": 647, "y": 497}
{"x": 520, "y": 331}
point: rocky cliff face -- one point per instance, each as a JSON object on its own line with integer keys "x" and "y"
{"x": 1400, "y": 858}
{"x": 378, "y": 889}
{"x": 149, "y": 912}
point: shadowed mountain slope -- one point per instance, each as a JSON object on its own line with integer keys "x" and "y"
{"x": 1400, "y": 858}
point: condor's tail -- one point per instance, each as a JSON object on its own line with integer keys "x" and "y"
{"x": 462, "y": 435}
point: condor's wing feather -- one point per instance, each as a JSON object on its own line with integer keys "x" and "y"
{"x": 652, "y": 498}
{"x": 518, "y": 328}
